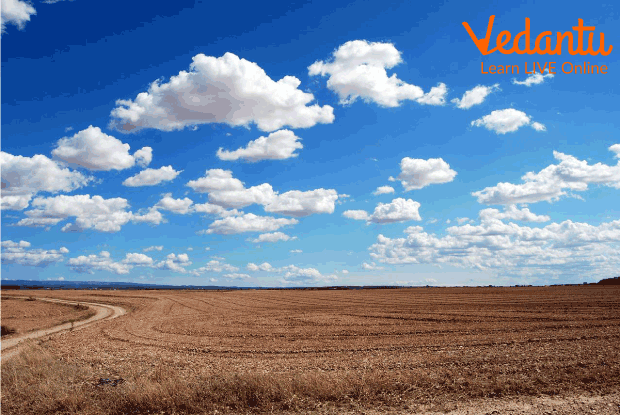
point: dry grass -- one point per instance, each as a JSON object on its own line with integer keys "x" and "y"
{"x": 296, "y": 351}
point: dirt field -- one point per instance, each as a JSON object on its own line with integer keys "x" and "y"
{"x": 22, "y": 315}
{"x": 329, "y": 351}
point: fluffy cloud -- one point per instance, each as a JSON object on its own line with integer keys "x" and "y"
{"x": 279, "y": 145}
{"x": 507, "y": 121}
{"x": 551, "y": 183}
{"x": 568, "y": 249}
{"x": 152, "y": 217}
{"x": 24, "y": 177}
{"x": 105, "y": 215}
{"x": 248, "y": 223}
{"x": 93, "y": 149}
{"x": 226, "y": 90}
{"x": 226, "y": 191}
{"x": 475, "y": 96}
{"x": 15, "y": 12}
{"x": 175, "y": 263}
{"x": 399, "y": 210}
{"x": 418, "y": 173}
{"x": 265, "y": 266}
{"x": 273, "y": 237}
{"x": 372, "y": 267}
{"x": 215, "y": 266}
{"x": 533, "y": 79}
{"x": 180, "y": 206}
{"x": 358, "y": 70}
{"x": 237, "y": 276}
{"x": 138, "y": 259}
{"x": 20, "y": 253}
{"x": 382, "y": 190}
{"x": 152, "y": 177}
{"x": 514, "y": 213}
{"x": 102, "y": 262}
{"x": 153, "y": 248}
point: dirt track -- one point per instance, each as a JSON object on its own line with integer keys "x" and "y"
{"x": 10, "y": 346}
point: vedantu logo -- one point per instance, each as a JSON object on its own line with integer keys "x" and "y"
{"x": 503, "y": 39}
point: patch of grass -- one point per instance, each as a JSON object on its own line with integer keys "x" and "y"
{"x": 8, "y": 330}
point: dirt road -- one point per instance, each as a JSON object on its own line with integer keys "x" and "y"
{"x": 103, "y": 311}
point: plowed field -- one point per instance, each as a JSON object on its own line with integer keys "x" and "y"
{"x": 305, "y": 349}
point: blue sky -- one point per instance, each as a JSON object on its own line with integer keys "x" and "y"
{"x": 304, "y": 143}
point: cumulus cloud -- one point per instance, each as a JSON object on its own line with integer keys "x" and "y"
{"x": 475, "y": 96}
{"x": 507, "y": 121}
{"x": 418, "y": 173}
{"x": 248, "y": 223}
{"x": 533, "y": 79}
{"x": 101, "y": 262}
{"x": 512, "y": 212}
{"x": 382, "y": 190}
{"x": 279, "y": 145}
{"x": 372, "y": 267}
{"x": 265, "y": 266}
{"x": 398, "y": 210}
{"x": 152, "y": 217}
{"x": 138, "y": 259}
{"x": 93, "y": 149}
{"x": 215, "y": 266}
{"x": 273, "y": 237}
{"x": 175, "y": 263}
{"x": 552, "y": 182}
{"x": 24, "y": 177}
{"x": 226, "y": 191}
{"x": 358, "y": 70}
{"x": 152, "y": 177}
{"x": 21, "y": 253}
{"x": 226, "y": 90}
{"x": 180, "y": 206}
{"x": 295, "y": 251}
{"x": 15, "y": 12}
{"x": 567, "y": 249}
{"x": 105, "y": 215}
{"x": 237, "y": 276}
{"x": 153, "y": 248}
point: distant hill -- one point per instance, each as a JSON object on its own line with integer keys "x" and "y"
{"x": 609, "y": 281}
{"x": 101, "y": 285}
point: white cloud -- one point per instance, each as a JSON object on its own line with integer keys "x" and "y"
{"x": 175, "y": 263}
{"x": 248, "y": 223}
{"x": 398, "y": 210}
{"x": 105, "y": 215}
{"x": 461, "y": 221}
{"x": 152, "y": 216}
{"x": 21, "y": 253}
{"x": 506, "y": 121}
{"x": 372, "y": 267}
{"x": 382, "y": 190}
{"x": 265, "y": 266}
{"x": 356, "y": 214}
{"x": 358, "y": 70}
{"x": 144, "y": 156}
{"x": 616, "y": 149}
{"x": 298, "y": 203}
{"x": 153, "y": 248}
{"x": 93, "y": 149}
{"x": 475, "y": 96}
{"x": 418, "y": 173}
{"x": 179, "y": 206}
{"x": 102, "y": 262}
{"x": 295, "y": 251}
{"x": 227, "y": 191}
{"x": 215, "y": 266}
{"x": 226, "y": 90}
{"x": 279, "y": 145}
{"x": 273, "y": 237}
{"x": 512, "y": 212}
{"x": 569, "y": 249}
{"x": 15, "y": 12}
{"x": 552, "y": 182}
{"x": 138, "y": 259}
{"x": 152, "y": 177}
{"x": 533, "y": 79}
{"x": 237, "y": 276}
{"x": 24, "y": 177}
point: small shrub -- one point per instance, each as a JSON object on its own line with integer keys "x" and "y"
{"x": 7, "y": 330}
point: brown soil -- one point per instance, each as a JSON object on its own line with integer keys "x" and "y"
{"x": 24, "y": 314}
{"x": 406, "y": 351}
